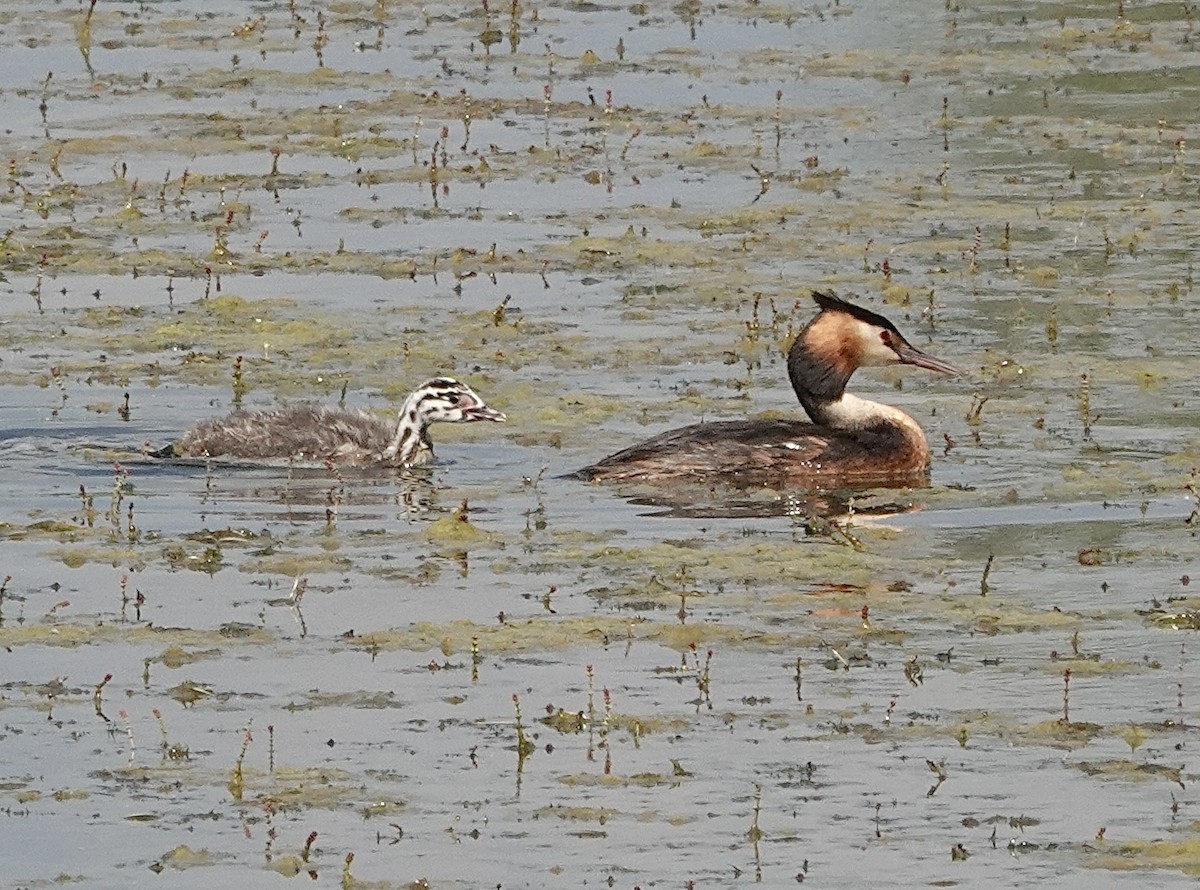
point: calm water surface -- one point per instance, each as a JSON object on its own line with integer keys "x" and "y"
{"x": 606, "y": 218}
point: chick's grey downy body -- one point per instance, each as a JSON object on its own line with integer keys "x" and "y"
{"x": 300, "y": 432}
{"x": 310, "y": 433}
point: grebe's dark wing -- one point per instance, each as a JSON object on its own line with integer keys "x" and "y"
{"x": 748, "y": 449}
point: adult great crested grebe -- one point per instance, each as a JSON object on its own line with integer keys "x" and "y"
{"x": 314, "y": 433}
{"x": 850, "y": 442}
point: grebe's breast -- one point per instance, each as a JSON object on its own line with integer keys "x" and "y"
{"x": 300, "y": 432}
{"x": 776, "y": 453}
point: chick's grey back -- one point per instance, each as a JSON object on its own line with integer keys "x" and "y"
{"x": 301, "y": 432}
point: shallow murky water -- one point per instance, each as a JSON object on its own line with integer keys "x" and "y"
{"x": 607, "y": 219}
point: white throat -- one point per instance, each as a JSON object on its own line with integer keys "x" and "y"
{"x": 853, "y": 413}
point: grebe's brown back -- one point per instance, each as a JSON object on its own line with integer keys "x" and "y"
{"x": 310, "y": 433}
{"x": 850, "y": 441}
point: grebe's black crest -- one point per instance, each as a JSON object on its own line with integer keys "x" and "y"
{"x": 832, "y": 303}
{"x": 850, "y": 441}
{"x": 311, "y": 433}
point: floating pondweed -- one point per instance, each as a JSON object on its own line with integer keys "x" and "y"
{"x": 407, "y": 192}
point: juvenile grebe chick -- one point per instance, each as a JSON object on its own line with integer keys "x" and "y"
{"x": 315, "y": 434}
{"x": 850, "y": 441}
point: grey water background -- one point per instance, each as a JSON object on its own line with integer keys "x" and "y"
{"x": 1013, "y": 185}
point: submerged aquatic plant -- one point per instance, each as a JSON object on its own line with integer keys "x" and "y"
{"x": 239, "y": 382}
{"x": 702, "y": 675}
{"x": 97, "y": 694}
{"x": 984, "y": 587}
{"x": 755, "y": 833}
{"x": 939, "y": 771}
{"x": 120, "y": 483}
{"x": 124, "y": 715}
{"x": 1084, "y": 402}
{"x": 976, "y": 409}
{"x": 913, "y": 671}
{"x": 1192, "y": 487}
{"x": 237, "y": 782}
{"x": 525, "y": 746}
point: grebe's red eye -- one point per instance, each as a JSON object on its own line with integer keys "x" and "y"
{"x": 886, "y": 337}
